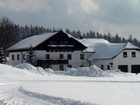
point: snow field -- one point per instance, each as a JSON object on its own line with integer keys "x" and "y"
{"x": 28, "y": 87}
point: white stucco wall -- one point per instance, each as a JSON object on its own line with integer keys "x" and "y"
{"x": 119, "y": 60}
{"x": 41, "y": 55}
{"x": 75, "y": 61}
{"x": 105, "y": 63}
{"x": 16, "y": 61}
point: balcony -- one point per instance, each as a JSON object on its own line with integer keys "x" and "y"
{"x": 52, "y": 62}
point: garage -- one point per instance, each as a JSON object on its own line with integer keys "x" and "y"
{"x": 135, "y": 68}
{"x": 123, "y": 68}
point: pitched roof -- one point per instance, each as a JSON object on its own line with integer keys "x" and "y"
{"x": 130, "y": 46}
{"x": 31, "y": 41}
{"x": 104, "y": 49}
{"x": 35, "y": 41}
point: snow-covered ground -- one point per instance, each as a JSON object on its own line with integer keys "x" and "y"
{"x": 26, "y": 87}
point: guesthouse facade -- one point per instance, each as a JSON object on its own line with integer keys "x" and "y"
{"x": 60, "y": 51}
{"x": 52, "y": 50}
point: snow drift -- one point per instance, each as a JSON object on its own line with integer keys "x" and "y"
{"x": 92, "y": 71}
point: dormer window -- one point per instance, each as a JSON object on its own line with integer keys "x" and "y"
{"x": 125, "y": 54}
{"x": 133, "y": 54}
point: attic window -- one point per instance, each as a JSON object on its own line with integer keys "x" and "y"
{"x": 64, "y": 43}
{"x": 52, "y": 43}
{"x": 125, "y": 54}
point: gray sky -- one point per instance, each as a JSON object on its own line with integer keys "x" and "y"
{"x": 115, "y": 16}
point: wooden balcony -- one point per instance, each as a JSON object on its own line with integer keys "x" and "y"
{"x": 52, "y": 62}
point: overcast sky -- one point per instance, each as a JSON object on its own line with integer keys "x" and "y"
{"x": 115, "y": 16}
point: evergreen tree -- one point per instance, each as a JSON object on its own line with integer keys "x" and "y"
{"x": 9, "y": 33}
{"x": 31, "y": 57}
{"x": 2, "y": 56}
{"x": 130, "y": 39}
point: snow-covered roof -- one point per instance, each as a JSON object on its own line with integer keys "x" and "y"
{"x": 104, "y": 49}
{"x": 90, "y": 43}
{"x": 31, "y": 41}
{"x": 130, "y": 46}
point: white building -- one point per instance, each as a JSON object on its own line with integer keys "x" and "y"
{"x": 60, "y": 50}
{"x": 56, "y": 50}
{"x": 123, "y": 56}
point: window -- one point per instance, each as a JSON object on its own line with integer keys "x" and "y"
{"x": 13, "y": 57}
{"x": 69, "y": 66}
{"x": 52, "y": 43}
{"x": 18, "y": 57}
{"x": 48, "y": 66}
{"x": 47, "y": 56}
{"x": 82, "y": 56}
{"x": 108, "y": 67}
{"x": 69, "y": 57}
{"x": 63, "y": 42}
{"x": 61, "y": 56}
{"x": 133, "y": 54}
{"x": 102, "y": 67}
{"x": 24, "y": 57}
{"x": 61, "y": 67}
{"x": 125, "y": 54}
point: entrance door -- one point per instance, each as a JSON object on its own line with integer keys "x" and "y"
{"x": 135, "y": 68}
{"x": 123, "y": 68}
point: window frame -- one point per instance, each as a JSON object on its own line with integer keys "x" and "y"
{"x": 18, "y": 57}
{"x": 13, "y": 57}
{"x": 133, "y": 54}
{"x": 47, "y": 56}
{"x": 61, "y": 67}
{"x": 108, "y": 67}
{"x": 124, "y": 54}
{"x": 69, "y": 66}
{"x": 82, "y": 56}
{"x": 102, "y": 67}
{"x": 61, "y": 56}
{"x": 69, "y": 56}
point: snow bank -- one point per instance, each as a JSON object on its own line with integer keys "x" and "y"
{"x": 92, "y": 71}
{"x": 12, "y": 73}
{"x": 31, "y": 68}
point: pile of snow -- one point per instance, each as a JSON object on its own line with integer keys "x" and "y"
{"x": 49, "y": 70}
{"x": 92, "y": 71}
{"x": 31, "y": 68}
{"x": 12, "y": 73}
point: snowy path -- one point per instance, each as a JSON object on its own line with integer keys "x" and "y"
{"x": 12, "y": 94}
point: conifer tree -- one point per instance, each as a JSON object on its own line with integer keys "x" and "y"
{"x": 31, "y": 57}
{"x": 2, "y": 56}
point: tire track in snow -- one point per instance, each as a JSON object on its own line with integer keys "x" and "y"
{"x": 53, "y": 100}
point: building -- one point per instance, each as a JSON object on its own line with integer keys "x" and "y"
{"x": 55, "y": 50}
{"x": 60, "y": 50}
{"x": 123, "y": 56}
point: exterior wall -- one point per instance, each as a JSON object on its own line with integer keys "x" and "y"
{"x": 16, "y": 61}
{"x": 75, "y": 61}
{"x": 105, "y": 63}
{"x": 41, "y": 55}
{"x": 119, "y": 60}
